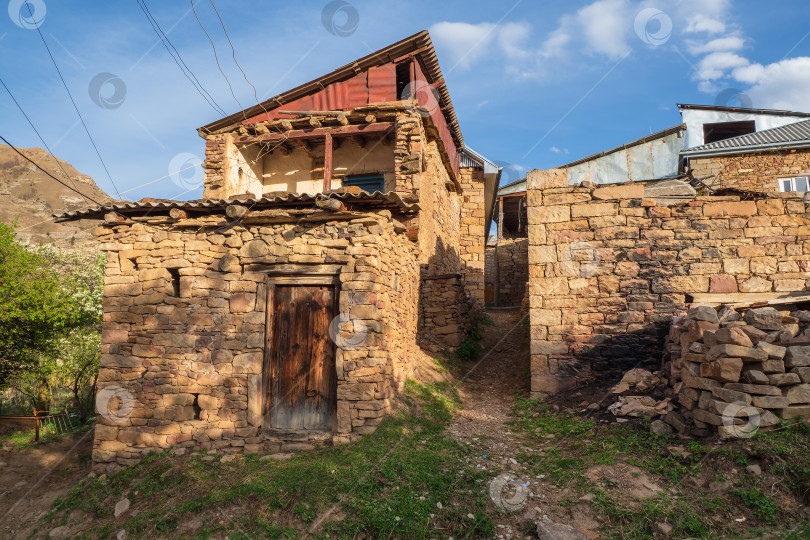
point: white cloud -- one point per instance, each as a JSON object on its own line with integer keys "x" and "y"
{"x": 727, "y": 43}
{"x": 716, "y": 65}
{"x": 556, "y": 150}
{"x": 465, "y": 42}
{"x": 702, "y": 23}
{"x": 605, "y": 25}
{"x": 780, "y": 85}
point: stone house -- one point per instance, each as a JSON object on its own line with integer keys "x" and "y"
{"x": 774, "y": 160}
{"x": 341, "y": 233}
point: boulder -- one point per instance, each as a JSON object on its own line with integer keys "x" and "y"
{"x": 764, "y": 318}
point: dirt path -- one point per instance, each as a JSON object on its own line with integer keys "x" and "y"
{"x": 32, "y": 478}
{"x": 488, "y": 392}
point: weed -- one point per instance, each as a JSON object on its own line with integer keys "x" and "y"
{"x": 762, "y": 505}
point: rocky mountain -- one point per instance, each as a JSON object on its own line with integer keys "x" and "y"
{"x": 31, "y": 197}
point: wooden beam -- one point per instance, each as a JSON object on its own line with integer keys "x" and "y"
{"x": 327, "y": 162}
{"x": 500, "y": 218}
{"x": 379, "y": 127}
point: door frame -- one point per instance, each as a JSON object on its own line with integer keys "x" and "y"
{"x": 292, "y": 274}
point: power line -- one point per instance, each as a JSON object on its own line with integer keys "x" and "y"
{"x": 233, "y": 53}
{"x": 48, "y": 148}
{"x": 72, "y": 100}
{"x": 164, "y": 39}
{"x": 216, "y": 58}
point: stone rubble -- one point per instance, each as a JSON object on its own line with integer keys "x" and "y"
{"x": 738, "y": 372}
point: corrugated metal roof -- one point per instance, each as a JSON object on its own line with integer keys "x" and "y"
{"x": 377, "y": 199}
{"x": 418, "y": 44}
{"x": 514, "y": 187}
{"x": 655, "y": 136}
{"x": 791, "y": 135}
{"x": 744, "y": 110}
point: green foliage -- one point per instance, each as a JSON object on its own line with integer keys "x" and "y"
{"x": 50, "y": 315}
{"x": 385, "y": 485}
{"x": 470, "y": 348}
{"x": 762, "y": 505}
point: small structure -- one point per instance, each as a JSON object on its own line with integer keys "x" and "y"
{"x": 508, "y": 262}
{"x": 341, "y": 231}
{"x": 774, "y": 160}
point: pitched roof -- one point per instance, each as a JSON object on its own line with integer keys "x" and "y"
{"x": 419, "y": 44}
{"x": 745, "y": 110}
{"x": 513, "y": 187}
{"x": 377, "y": 200}
{"x": 653, "y": 137}
{"x": 796, "y": 135}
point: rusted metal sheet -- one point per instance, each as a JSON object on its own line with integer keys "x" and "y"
{"x": 382, "y": 83}
{"x": 375, "y": 85}
{"x": 302, "y": 385}
{"x": 428, "y": 99}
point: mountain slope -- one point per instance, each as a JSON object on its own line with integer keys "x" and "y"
{"x": 31, "y": 197}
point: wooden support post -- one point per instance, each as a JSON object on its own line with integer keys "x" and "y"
{"x": 327, "y": 163}
{"x": 500, "y": 218}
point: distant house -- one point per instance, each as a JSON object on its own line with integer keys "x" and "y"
{"x": 342, "y": 230}
{"x": 773, "y": 160}
{"x": 715, "y": 147}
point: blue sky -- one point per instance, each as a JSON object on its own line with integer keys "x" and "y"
{"x": 534, "y": 84}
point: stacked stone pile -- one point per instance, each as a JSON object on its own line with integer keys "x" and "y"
{"x": 738, "y": 372}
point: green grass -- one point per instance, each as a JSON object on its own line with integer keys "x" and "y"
{"x": 387, "y": 484}
{"x": 575, "y": 444}
{"x": 24, "y": 438}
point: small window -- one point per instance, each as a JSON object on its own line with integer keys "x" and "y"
{"x": 366, "y": 182}
{"x": 720, "y": 131}
{"x": 800, "y": 184}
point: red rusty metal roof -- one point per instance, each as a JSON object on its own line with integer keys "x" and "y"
{"x": 370, "y": 79}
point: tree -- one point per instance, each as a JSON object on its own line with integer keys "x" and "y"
{"x": 47, "y": 299}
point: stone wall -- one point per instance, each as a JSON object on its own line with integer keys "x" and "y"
{"x": 444, "y": 311}
{"x": 751, "y": 172}
{"x": 512, "y": 258}
{"x": 472, "y": 236}
{"x": 184, "y": 325}
{"x": 609, "y": 270}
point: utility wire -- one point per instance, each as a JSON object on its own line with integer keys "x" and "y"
{"x": 216, "y": 58}
{"x": 233, "y": 53}
{"x": 81, "y": 118}
{"x": 164, "y": 39}
{"x": 48, "y": 148}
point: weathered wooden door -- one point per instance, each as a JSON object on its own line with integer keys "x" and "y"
{"x": 300, "y": 357}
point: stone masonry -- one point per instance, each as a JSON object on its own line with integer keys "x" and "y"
{"x": 751, "y": 172}
{"x": 184, "y": 328}
{"x": 608, "y": 270}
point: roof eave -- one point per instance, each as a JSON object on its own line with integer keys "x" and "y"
{"x": 745, "y": 149}
{"x": 420, "y": 40}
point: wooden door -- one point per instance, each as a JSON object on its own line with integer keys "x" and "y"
{"x": 300, "y": 357}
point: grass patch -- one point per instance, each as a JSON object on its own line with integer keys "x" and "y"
{"x": 387, "y": 484}
{"x": 470, "y": 348}
{"x": 574, "y": 444}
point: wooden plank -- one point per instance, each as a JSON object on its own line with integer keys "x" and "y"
{"x": 292, "y": 268}
{"x": 321, "y": 388}
{"x": 744, "y": 299}
{"x": 317, "y": 133}
{"x": 327, "y": 162}
{"x": 304, "y": 280}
